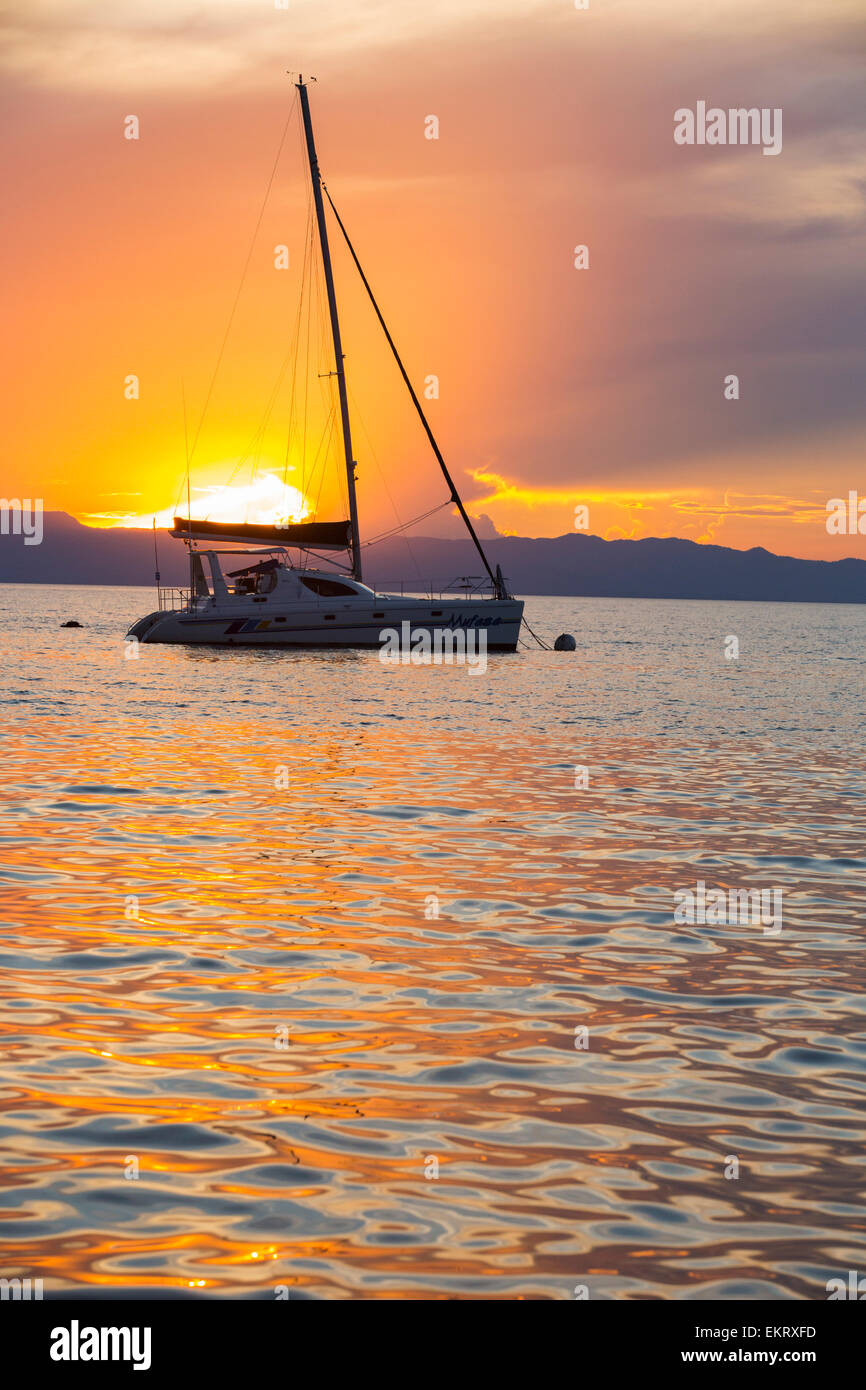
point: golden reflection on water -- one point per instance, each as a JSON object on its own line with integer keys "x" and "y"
{"x": 242, "y": 986}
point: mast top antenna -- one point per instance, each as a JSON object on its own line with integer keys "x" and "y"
{"x": 300, "y": 77}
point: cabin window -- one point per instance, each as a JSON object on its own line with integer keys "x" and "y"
{"x": 329, "y": 616}
{"x": 328, "y": 588}
{"x": 199, "y": 581}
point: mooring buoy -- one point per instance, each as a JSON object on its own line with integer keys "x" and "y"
{"x": 565, "y": 643}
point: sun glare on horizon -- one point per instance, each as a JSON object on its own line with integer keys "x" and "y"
{"x": 266, "y": 501}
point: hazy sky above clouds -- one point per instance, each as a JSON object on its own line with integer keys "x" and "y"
{"x": 557, "y": 386}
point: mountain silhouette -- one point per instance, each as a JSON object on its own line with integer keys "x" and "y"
{"x": 571, "y": 565}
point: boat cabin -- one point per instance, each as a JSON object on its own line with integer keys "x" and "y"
{"x": 268, "y": 579}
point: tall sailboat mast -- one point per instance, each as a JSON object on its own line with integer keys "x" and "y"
{"x": 335, "y": 325}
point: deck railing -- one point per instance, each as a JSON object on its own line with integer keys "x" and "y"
{"x": 468, "y": 586}
{"x": 170, "y": 600}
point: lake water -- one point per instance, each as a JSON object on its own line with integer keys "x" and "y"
{"x": 223, "y": 968}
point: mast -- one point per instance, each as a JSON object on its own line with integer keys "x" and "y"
{"x": 335, "y": 325}
{"x": 499, "y": 589}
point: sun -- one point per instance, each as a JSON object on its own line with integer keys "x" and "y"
{"x": 266, "y": 500}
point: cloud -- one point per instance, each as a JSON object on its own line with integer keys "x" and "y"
{"x": 187, "y": 45}
{"x": 559, "y": 386}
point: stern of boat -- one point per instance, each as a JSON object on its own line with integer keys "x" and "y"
{"x": 143, "y": 630}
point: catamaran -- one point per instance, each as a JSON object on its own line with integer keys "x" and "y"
{"x": 273, "y": 599}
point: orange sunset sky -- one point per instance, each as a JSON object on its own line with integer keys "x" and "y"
{"x": 557, "y": 387}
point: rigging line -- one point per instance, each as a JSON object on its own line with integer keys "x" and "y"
{"x": 330, "y": 440}
{"x": 272, "y": 399}
{"x": 414, "y": 522}
{"x": 255, "y": 441}
{"x": 296, "y": 339}
{"x": 375, "y": 458}
{"x": 300, "y": 437}
{"x": 258, "y": 439}
{"x": 322, "y": 452}
{"x": 307, "y": 345}
{"x": 185, "y": 479}
{"x": 253, "y": 448}
{"x": 289, "y": 119}
{"x": 326, "y": 440}
{"x": 258, "y": 436}
{"x": 294, "y": 430}
{"x": 344, "y": 569}
{"x": 336, "y": 441}
{"x": 321, "y": 449}
{"x": 327, "y": 381}
{"x": 455, "y": 496}
{"x": 186, "y": 447}
{"x": 399, "y": 529}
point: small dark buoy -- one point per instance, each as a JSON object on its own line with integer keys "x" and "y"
{"x": 71, "y": 623}
{"x": 565, "y": 643}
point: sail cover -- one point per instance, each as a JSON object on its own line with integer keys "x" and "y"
{"x": 309, "y": 535}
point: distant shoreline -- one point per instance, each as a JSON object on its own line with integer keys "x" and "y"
{"x": 574, "y": 565}
{"x": 526, "y": 593}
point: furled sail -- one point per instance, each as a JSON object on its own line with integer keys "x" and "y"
{"x": 309, "y": 535}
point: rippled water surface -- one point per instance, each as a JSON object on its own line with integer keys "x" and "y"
{"x": 222, "y": 960}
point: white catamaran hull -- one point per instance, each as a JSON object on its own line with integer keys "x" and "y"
{"x": 358, "y": 625}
